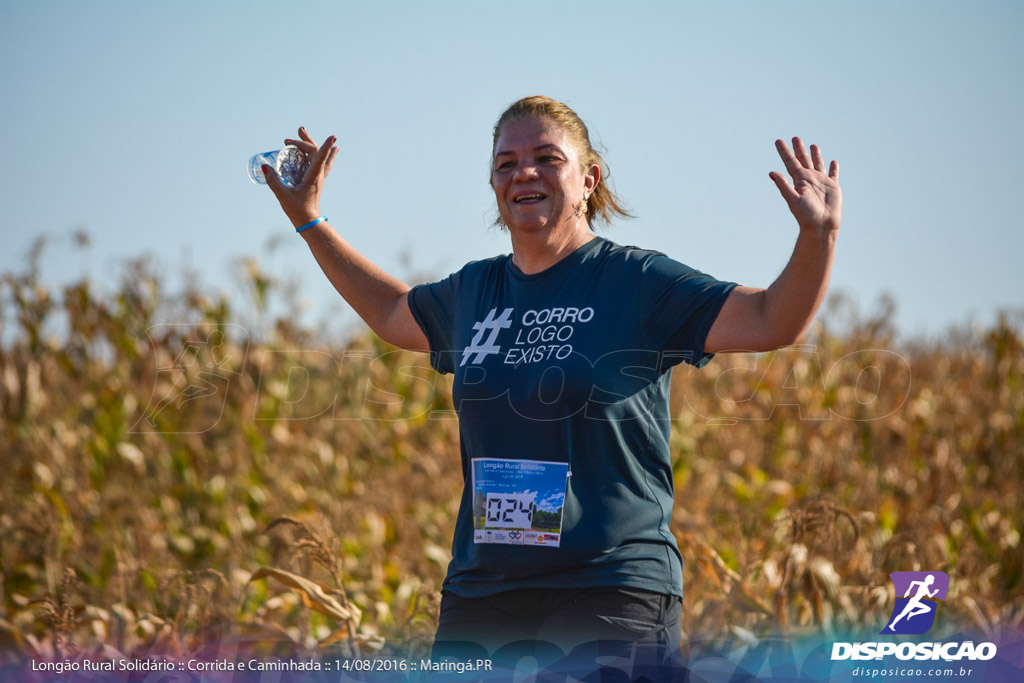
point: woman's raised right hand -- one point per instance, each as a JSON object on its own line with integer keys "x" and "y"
{"x": 302, "y": 203}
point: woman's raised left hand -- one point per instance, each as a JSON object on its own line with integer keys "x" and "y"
{"x": 302, "y": 203}
{"x": 814, "y": 196}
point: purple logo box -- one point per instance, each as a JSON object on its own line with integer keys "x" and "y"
{"x": 902, "y": 581}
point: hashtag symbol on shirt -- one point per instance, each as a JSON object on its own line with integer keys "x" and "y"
{"x": 481, "y": 350}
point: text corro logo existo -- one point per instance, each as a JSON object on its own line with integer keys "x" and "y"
{"x": 913, "y": 614}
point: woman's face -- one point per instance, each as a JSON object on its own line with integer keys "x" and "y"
{"x": 537, "y": 176}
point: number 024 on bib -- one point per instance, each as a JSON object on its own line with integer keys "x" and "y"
{"x": 518, "y": 502}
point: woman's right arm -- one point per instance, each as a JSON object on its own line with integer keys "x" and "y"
{"x": 381, "y": 300}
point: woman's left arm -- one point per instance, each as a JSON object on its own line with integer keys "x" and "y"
{"x": 765, "y": 319}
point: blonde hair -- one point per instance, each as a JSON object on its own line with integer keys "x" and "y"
{"x": 602, "y": 205}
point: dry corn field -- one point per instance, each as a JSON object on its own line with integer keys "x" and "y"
{"x": 169, "y": 480}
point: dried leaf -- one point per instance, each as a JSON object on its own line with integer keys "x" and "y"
{"x": 337, "y": 636}
{"x": 314, "y": 595}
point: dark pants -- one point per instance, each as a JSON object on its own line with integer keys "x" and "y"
{"x": 547, "y": 623}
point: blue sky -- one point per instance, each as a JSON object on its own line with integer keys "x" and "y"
{"x": 134, "y": 122}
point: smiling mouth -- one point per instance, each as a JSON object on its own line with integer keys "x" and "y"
{"x": 529, "y": 198}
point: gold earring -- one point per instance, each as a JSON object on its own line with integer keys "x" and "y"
{"x": 581, "y": 208}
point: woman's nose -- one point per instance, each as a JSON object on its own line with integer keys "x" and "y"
{"x": 524, "y": 172}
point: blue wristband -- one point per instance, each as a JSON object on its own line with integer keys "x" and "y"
{"x": 311, "y": 224}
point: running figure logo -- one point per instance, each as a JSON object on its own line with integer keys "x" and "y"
{"x": 914, "y": 613}
{"x": 480, "y": 348}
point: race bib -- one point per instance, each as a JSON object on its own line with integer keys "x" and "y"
{"x": 518, "y": 502}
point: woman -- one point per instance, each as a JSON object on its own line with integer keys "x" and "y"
{"x": 561, "y": 355}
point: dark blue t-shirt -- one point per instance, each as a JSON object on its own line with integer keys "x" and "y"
{"x": 561, "y": 384}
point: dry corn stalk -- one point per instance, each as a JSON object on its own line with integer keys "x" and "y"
{"x": 318, "y": 597}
